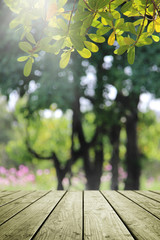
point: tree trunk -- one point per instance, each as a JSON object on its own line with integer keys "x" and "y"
{"x": 132, "y": 155}
{"x": 60, "y": 176}
{"x": 114, "y": 138}
{"x": 94, "y": 171}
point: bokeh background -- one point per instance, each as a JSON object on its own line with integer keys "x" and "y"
{"x": 93, "y": 125}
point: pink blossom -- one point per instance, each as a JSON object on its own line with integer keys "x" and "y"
{"x": 30, "y": 178}
{"x": 106, "y": 178}
{"x": 65, "y": 181}
{"x": 3, "y": 170}
{"x": 75, "y": 180}
{"x": 22, "y": 176}
{"x": 108, "y": 167}
{"x": 39, "y": 172}
{"x": 23, "y": 169}
{"x": 12, "y": 170}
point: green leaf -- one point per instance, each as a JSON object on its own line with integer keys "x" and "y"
{"x": 96, "y": 38}
{"x": 116, "y": 14}
{"x": 62, "y": 24}
{"x": 119, "y": 22}
{"x": 120, "y": 40}
{"x": 155, "y": 38}
{"x": 85, "y": 53}
{"x": 91, "y": 46}
{"x": 131, "y": 27}
{"x": 144, "y": 41}
{"x": 97, "y": 24}
{"x": 76, "y": 41}
{"x": 106, "y": 15}
{"x": 131, "y": 55}
{"x": 22, "y": 59}
{"x": 103, "y": 30}
{"x": 56, "y": 47}
{"x": 76, "y": 25}
{"x": 92, "y": 4}
{"x": 25, "y": 46}
{"x": 14, "y": 23}
{"x": 27, "y": 68}
{"x": 88, "y": 21}
{"x": 30, "y": 38}
{"x": 129, "y": 41}
{"x": 127, "y": 6}
{"x": 150, "y": 27}
{"x": 117, "y": 3}
{"x": 65, "y": 57}
{"x": 121, "y": 50}
{"x": 102, "y": 3}
{"x": 79, "y": 15}
{"x": 35, "y": 55}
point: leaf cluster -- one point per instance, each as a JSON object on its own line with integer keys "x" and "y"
{"x": 129, "y": 23}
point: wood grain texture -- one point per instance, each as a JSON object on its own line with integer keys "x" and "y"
{"x": 142, "y": 224}
{"x": 60, "y": 215}
{"x": 6, "y": 193}
{"x": 24, "y": 225}
{"x": 145, "y": 202}
{"x": 12, "y": 197}
{"x": 10, "y": 210}
{"x": 100, "y": 220}
{"x": 157, "y": 191}
{"x": 149, "y": 194}
{"x": 65, "y": 222}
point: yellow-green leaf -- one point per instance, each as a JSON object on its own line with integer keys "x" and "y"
{"x": 121, "y": 50}
{"x": 65, "y": 57}
{"x": 155, "y": 38}
{"x": 91, "y": 46}
{"x": 111, "y": 39}
{"x": 27, "y": 68}
{"x": 14, "y": 23}
{"x": 131, "y": 55}
{"x": 157, "y": 24}
{"x": 102, "y": 3}
{"x": 103, "y": 30}
{"x": 150, "y": 28}
{"x": 106, "y": 15}
{"x": 30, "y": 38}
{"x": 22, "y": 59}
{"x": 25, "y": 46}
{"x": 85, "y": 53}
{"x": 128, "y": 40}
{"x": 96, "y": 38}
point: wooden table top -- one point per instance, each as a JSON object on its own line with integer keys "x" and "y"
{"x": 96, "y": 215}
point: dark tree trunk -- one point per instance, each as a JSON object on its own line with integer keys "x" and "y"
{"x": 132, "y": 154}
{"x": 94, "y": 170}
{"x": 60, "y": 176}
{"x": 114, "y": 138}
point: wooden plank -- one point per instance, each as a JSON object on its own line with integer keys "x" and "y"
{"x": 65, "y": 222}
{"x": 100, "y": 220}
{"x": 147, "y": 203}
{"x": 12, "y": 197}
{"x": 142, "y": 224}
{"x": 25, "y": 224}
{"x": 152, "y": 195}
{"x": 157, "y": 191}
{"x": 10, "y": 210}
{"x": 5, "y": 193}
